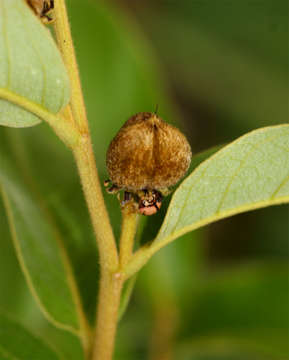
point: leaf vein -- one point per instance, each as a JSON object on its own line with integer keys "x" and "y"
{"x": 22, "y": 262}
{"x": 255, "y": 147}
{"x": 283, "y": 182}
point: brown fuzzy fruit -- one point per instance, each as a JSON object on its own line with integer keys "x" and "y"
{"x": 147, "y": 153}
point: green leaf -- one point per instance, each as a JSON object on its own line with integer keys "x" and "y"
{"x": 31, "y": 65}
{"x": 40, "y": 253}
{"x": 250, "y": 173}
{"x": 16, "y": 343}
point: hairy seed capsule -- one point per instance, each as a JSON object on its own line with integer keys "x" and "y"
{"x": 147, "y": 153}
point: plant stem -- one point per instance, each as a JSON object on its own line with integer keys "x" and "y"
{"x": 92, "y": 191}
{"x": 110, "y": 289}
{"x": 107, "y": 315}
{"x": 64, "y": 129}
{"x": 128, "y": 230}
{"x": 83, "y": 152}
{"x": 65, "y": 44}
{"x": 111, "y": 281}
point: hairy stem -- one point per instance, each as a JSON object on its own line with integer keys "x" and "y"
{"x": 128, "y": 230}
{"x": 92, "y": 191}
{"x": 83, "y": 152}
{"x": 107, "y": 315}
{"x": 110, "y": 285}
{"x": 110, "y": 290}
{"x": 60, "y": 124}
{"x": 65, "y": 44}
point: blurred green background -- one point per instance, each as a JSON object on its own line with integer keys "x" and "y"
{"x": 217, "y": 69}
